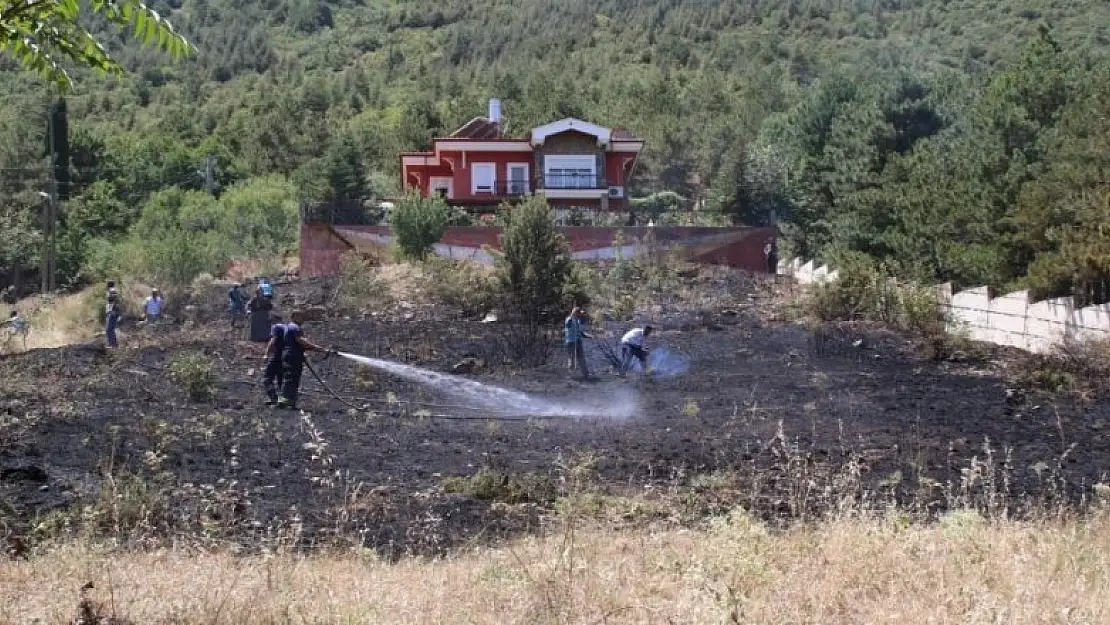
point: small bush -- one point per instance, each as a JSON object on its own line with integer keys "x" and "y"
{"x": 504, "y": 487}
{"x": 1082, "y": 367}
{"x": 418, "y": 223}
{"x": 866, "y": 292}
{"x": 359, "y": 286}
{"x": 464, "y": 285}
{"x": 194, "y": 373}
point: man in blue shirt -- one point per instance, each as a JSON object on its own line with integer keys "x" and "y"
{"x": 272, "y": 373}
{"x": 573, "y": 333}
{"x": 236, "y": 303}
{"x": 153, "y": 307}
{"x": 294, "y": 347}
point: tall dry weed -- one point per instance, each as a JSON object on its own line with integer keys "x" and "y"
{"x": 876, "y": 571}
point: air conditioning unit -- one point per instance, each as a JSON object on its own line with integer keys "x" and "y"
{"x": 616, "y": 192}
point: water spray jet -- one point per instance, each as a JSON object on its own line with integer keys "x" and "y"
{"x": 620, "y": 405}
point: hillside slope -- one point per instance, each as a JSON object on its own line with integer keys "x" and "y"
{"x": 826, "y": 114}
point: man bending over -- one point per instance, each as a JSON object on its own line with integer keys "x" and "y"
{"x": 632, "y": 346}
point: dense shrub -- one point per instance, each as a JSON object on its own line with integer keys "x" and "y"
{"x": 418, "y": 223}
{"x": 180, "y": 234}
{"x": 463, "y": 285}
{"x": 535, "y": 264}
{"x": 535, "y": 272}
{"x": 865, "y": 292}
{"x": 359, "y": 286}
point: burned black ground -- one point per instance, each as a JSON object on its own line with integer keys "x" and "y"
{"x": 107, "y": 442}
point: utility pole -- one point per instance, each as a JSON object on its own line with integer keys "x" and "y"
{"x": 49, "y": 231}
{"x": 57, "y": 149}
{"x": 210, "y": 174}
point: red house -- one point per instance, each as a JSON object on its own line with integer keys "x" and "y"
{"x": 570, "y": 162}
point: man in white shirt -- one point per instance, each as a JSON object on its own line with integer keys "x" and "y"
{"x": 152, "y": 306}
{"x": 632, "y": 346}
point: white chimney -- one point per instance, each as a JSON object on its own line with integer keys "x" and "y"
{"x": 495, "y": 110}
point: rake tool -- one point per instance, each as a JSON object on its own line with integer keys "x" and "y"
{"x": 612, "y": 353}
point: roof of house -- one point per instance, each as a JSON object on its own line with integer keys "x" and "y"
{"x": 622, "y": 134}
{"x": 478, "y": 128}
{"x": 541, "y": 133}
{"x": 482, "y": 129}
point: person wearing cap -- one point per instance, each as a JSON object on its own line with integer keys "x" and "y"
{"x": 266, "y": 288}
{"x": 153, "y": 307}
{"x": 236, "y": 303}
{"x": 272, "y": 373}
{"x": 294, "y": 346}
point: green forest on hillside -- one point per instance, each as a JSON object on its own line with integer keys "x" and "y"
{"x": 950, "y": 140}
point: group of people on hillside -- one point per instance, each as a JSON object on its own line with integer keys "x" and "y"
{"x": 239, "y": 305}
{"x": 154, "y": 307}
{"x": 631, "y": 344}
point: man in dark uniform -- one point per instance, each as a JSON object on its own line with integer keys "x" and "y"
{"x": 272, "y": 374}
{"x": 293, "y": 348}
{"x": 112, "y": 315}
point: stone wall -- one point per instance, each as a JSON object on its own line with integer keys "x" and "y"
{"x": 1012, "y": 319}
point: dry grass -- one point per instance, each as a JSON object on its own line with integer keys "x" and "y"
{"x": 56, "y": 321}
{"x": 270, "y": 266}
{"x": 963, "y": 570}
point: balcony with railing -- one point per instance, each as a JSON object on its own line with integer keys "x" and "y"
{"x": 563, "y": 185}
{"x": 571, "y": 180}
{"x": 504, "y": 188}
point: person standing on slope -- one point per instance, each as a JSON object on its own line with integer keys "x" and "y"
{"x": 260, "y": 309}
{"x": 573, "y": 334}
{"x": 632, "y": 346}
{"x": 112, "y": 314}
{"x": 153, "y": 306}
{"x": 272, "y": 374}
{"x": 294, "y": 347}
{"x": 236, "y": 303}
{"x": 18, "y": 328}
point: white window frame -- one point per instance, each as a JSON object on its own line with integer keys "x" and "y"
{"x": 570, "y": 163}
{"x": 435, "y": 183}
{"x": 509, "y": 177}
{"x": 474, "y": 168}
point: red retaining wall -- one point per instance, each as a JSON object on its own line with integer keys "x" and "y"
{"x": 322, "y": 245}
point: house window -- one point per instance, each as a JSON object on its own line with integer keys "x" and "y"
{"x": 518, "y": 178}
{"x": 441, "y": 186}
{"x": 483, "y": 177}
{"x": 571, "y": 172}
